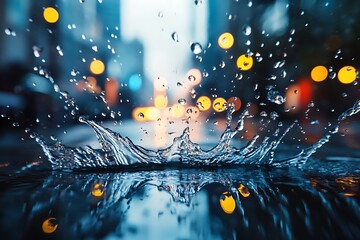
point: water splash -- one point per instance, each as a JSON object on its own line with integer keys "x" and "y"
{"x": 117, "y": 150}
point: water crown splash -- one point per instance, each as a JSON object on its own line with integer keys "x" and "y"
{"x": 117, "y": 151}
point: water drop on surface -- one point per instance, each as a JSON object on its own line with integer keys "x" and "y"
{"x": 196, "y": 48}
{"x": 182, "y": 101}
{"x": 276, "y": 97}
{"x": 198, "y": 2}
{"x": 160, "y": 15}
{"x": 10, "y": 32}
{"x": 246, "y": 30}
{"x": 191, "y": 78}
{"x": 141, "y": 115}
{"x": 37, "y": 50}
{"x": 175, "y": 36}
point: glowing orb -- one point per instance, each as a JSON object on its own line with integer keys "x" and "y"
{"x": 152, "y": 113}
{"x": 219, "y": 104}
{"x": 347, "y": 74}
{"x": 161, "y": 101}
{"x": 177, "y": 110}
{"x": 51, "y": 15}
{"x": 244, "y": 62}
{"x": 203, "y": 103}
{"x": 244, "y": 191}
{"x": 226, "y": 40}
{"x": 49, "y": 225}
{"x": 236, "y": 101}
{"x": 227, "y": 203}
{"x": 194, "y": 76}
{"x": 319, "y": 73}
{"x": 98, "y": 190}
{"x": 97, "y": 67}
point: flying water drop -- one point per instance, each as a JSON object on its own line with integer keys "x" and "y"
{"x": 196, "y": 48}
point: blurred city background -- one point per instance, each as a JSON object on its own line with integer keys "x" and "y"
{"x": 176, "y": 61}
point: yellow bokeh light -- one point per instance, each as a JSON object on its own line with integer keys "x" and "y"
{"x": 51, "y": 15}
{"x": 138, "y": 114}
{"x": 227, "y": 203}
{"x": 194, "y": 76}
{"x": 244, "y": 191}
{"x": 347, "y": 74}
{"x": 177, "y": 110}
{"x": 98, "y": 190}
{"x": 203, "y": 103}
{"x": 245, "y": 62}
{"x": 152, "y": 113}
{"x": 319, "y": 73}
{"x": 226, "y": 40}
{"x": 49, "y": 225}
{"x": 161, "y": 101}
{"x": 97, "y": 67}
{"x": 219, "y": 104}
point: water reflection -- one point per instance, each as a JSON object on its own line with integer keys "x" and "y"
{"x": 185, "y": 203}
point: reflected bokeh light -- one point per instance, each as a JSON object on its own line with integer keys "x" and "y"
{"x": 226, "y": 40}
{"x": 244, "y": 62}
{"x": 227, "y": 203}
{"x": 319, "y": 73}
{"x": 51, "y": 15}
{"x": 347, "y": 74}
{"x": 49, "y": 225}
{"x": 97, "y": 67}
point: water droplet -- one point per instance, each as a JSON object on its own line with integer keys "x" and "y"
{"x": 274, "y": 115}
{"x": 246, "y": 30}
{"x": 196, "y": 48}
{"x": 10, "y": 32}
{"x": 141, "y": 115}
{"x": 74, "y": 72}
{"x": 344, "y": 94}
{"x": 332, "y": 75}
{"x": 292, "y": 31}
{"x": 191, "y": 78}
{"x": 37, "y": 50}
{"x": 53, "y": 138}
{"x": 179, "y": 84}
{"x": 222, "y": 64}
{"x": 182, "y": 101}
{"x": 283, "y": 74}
{"x": 279, "y": 64}
{"x": 58, "y": 48}
{"x": 160, "y": 15}
{"x": 198, "y": 2}
{"x": 263, "y": 114}
{"x": 15, "y": 124}
{"x": 276, "y": 97}
{"x": 314, "y": 122}
{"x": 271, "y": 77}
{"x": 175, "y": 36}
{"x": 250, "y": 3}
{"x": 95, "y": 48}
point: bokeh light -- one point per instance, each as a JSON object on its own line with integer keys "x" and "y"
{"x": 226, "y": 40}
{"x": 138, "y": 114}
{"x": 244, "y": 62}
{"x": 219, "y": 104}
{"x": 194, "y": 76}
{"x": 161, "y": 101}
{"x": 236, "y": 101}
{"x": 135, "y": 82}
{"x": 319, "y": 73}
{"x": 244, "y": 191}
{"x": 97, "y": 67}
{"x": 177, "y": 110}
{"x": 347, "y": 74}
{"x": 111, "y": 91}
{"x": 203, "y": 103}
{"x": 98, "y": 190}
{"x": 49, "y": 225}
{"x": 51, "y": 15}
{"x": 152, "y": 113}
{"x": 227, "y": 203}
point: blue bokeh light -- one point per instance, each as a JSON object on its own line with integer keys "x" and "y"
{"x": 135, "y": 82}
